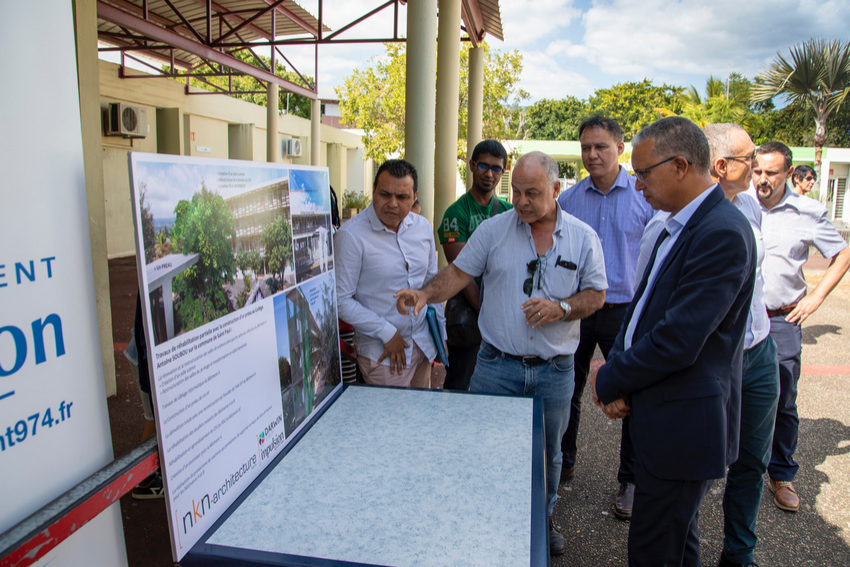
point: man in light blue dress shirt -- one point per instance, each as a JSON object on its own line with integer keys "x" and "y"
{"x": 791, "y": 224}
{"x": 607, "y": 201}
{"x": 732, "y": 153}
{"x": 378, "y": 251}
{"x": 541, "y": 271}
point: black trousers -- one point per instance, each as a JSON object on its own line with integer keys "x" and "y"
{"x": 663, "y": 530}
{"x": 600, "y": 329}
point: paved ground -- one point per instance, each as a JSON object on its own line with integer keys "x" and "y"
{"x": 818, "y": 535}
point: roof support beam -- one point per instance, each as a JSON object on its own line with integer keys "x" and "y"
{"x": 125, "y": 46}
{"x": 238, "y": 19}
{"x": 473, "y": 20}
{"x": 250, "y": 20}
{"x": 294, "y": 17}
{"x": 154, "y": 32}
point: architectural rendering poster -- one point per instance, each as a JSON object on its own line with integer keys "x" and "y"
{"x": 236, "y": 264}
{"x": 54, "y": 427}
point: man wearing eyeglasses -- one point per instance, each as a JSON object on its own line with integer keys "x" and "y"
{"x": 607, "y": 201}
{"x": 732, "y": 154}
{"x": 460, "y": 220}
{"x": 791, "y": 224}
{"x": 541, "y": 271}
{"x": 676, "y": 364}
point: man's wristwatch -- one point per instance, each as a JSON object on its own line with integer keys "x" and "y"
{"x": 567, "y": 309}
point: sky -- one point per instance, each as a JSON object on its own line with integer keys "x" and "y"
{"x": 308, "y": 191}
{"x": 167, "y": 182}
{"x": 573, "y": 47}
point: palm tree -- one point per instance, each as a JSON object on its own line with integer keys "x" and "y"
{"x": 723, "y": 102}
{"x": 817, "y": 77}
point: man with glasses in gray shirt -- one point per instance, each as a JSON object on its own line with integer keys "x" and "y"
{"x": 541, "y": 270}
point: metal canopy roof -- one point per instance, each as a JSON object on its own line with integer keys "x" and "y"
{"x": 481, "y": 17}
{"x": 199, "y": 35}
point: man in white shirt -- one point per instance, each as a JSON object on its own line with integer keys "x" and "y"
{"x": 791, "y": 224}
{"x": 732, "y": 153}
{"x": 378, "y": 252}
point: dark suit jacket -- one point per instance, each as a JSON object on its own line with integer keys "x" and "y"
{"x": 683, "y": 370}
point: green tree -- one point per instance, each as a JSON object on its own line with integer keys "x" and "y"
{"x": 634, "y": 104}
{"x": 148, "y": 236}
{"x": 242, "y": 261}
{"x": 550, "y": 119}
{"x": 501, "y": 91}
{"x": 792, "y": 125}
{"x": 255, "y": 262}
{"x": 818, "y": 77}
{"x": 163, "y": 244}
{"x": 277, "y": 242}
{"x": 373, "y": 99}
{"x": 723, "y": 102}
{"x": 285, "y": 371}
{"x": 330, "y": 338}
{"x": 204, "y": 226}
{"x": 297, "y": 105}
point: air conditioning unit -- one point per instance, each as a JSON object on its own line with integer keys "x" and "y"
{"x": 127, "y": 120}
{"x": 293, "y": 147}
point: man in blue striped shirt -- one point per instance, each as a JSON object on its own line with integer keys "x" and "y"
{"x": 606, "y": 200}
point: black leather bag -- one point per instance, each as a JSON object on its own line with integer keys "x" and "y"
{"x": 461, "y": 323}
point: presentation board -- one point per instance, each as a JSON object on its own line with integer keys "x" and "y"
{"x": 237, "y": 279}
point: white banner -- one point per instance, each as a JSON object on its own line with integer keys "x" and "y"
{"x": 54, "y": 430}
{"x": 236, "y": 266}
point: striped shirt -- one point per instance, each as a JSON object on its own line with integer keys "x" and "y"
{"x": 500, "y": 250}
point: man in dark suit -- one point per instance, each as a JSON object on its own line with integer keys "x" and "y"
{"x": 676, "y": 364}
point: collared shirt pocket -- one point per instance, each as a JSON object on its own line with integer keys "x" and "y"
{"x": 561, "y": 282}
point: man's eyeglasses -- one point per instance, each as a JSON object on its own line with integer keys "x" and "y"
{"x": 641, "y": 173}
{"x": 809, "y": 178}
{"x": 750, "y": 158}
{"x": 483, "y": 167}
{"x": 528, "y": 284}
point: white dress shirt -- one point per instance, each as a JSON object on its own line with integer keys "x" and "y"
{"x": 758, "y": 323}
{"x": 372, "y": 263}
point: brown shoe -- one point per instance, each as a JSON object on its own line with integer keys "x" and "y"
{"x": 784, "y": 495}
{"x": 567, "y": 474}
{"x": 625, "y": 501}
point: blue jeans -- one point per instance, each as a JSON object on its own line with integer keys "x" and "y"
{"x": 745, "y": 479}
{"x": 553, "y": 382}
{"x": 789, "y": 352}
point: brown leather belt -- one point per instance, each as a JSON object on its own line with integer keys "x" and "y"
{"x": 782, "y": 310}
{"x": 614, "y": 305}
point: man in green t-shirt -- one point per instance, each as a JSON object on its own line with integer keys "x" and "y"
{"x": 487, "y": 165}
